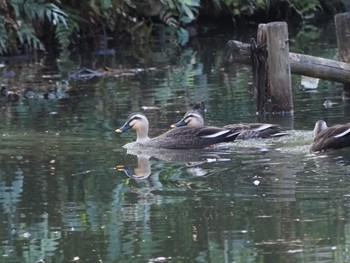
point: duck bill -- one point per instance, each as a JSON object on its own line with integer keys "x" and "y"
{"x": 120, "y": 167}
{"x": 179, "y": 124}
{"x": 124, "y": 128}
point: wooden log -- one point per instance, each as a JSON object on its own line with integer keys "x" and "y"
{"x": 301, "y": 64}
{"x": 342, "y": 25}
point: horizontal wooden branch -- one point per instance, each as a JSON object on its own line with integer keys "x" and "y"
{"x": 306, "y": 65}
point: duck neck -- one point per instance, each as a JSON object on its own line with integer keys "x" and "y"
{"x": 142, "y": 135}
{"x": 319, "y": 127}
{"x": 143, "y": 168}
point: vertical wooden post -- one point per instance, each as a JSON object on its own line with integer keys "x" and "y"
{"x": 271, "y": 70}
{"x": 279, "y": 76}
{"x": 260, "y": 71}
{"x": 342, "y": 25}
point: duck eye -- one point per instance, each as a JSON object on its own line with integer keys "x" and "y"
{"x": 136, "y": 118}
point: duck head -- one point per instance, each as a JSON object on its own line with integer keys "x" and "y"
{"x": 139, "y": 122}
{"x": 320, "y": 126}
{"x": 192, "y": 118}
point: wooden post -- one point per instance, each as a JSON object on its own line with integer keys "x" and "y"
{"x": 279, "y": 68}
{"x": 260, "y": 72}
{"x": 342, "y": 25}
{"x": 272, "y": 75}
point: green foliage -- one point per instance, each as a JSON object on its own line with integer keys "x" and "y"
{"x": 188, "y": 9}
{"x": 183, "y": 36}
{"x": 26, "y": 36}
{"x": 178, "y": 12}
{"x": 28, "y": 18}
{"x": 305, "y": 9}
{"x": 28, "y": 24}
{"x": 33, "y": 10}
{"x": 64, "y": 30}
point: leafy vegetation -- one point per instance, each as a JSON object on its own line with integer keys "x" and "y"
{"x": 246, "y": 7}
{"x": 30, "y": 25}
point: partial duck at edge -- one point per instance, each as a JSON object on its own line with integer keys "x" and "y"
{"x": 334, "y": 137}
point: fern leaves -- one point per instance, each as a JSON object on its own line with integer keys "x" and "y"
{"x": 25, "y": 16}
{"x": 26, "y": 36}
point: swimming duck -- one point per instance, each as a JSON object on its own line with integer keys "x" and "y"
{"x": 181, "y": 138}
{"x": 193, "y": 118}
{"x": 334, "y": 137}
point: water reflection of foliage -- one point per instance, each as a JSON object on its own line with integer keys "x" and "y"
{"x": 310, "y": 39}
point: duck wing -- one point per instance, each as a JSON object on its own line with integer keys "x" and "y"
{"x": 192, "y": 137}
{"x": 256, "y": 130}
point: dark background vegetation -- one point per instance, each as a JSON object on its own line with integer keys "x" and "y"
{"x": 28, "y": 26}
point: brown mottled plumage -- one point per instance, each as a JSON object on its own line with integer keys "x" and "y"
{"x": 334, "y": 137}
{"x": 181, "y": 138}
{"x": 247, "y": 130}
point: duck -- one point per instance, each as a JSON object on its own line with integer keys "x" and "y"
{"x": 327, "y": 138}
{"x": 193, "y": 118}
{"x": 186, "y": 137}
{"x": 329, "y": 104}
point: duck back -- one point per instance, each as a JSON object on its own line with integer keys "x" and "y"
{"x": 192, "y": 137}
{"x": 256, "y": 130}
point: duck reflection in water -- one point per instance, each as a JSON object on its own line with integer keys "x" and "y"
{"x": 141, "y": 171}
{"x": 192, "y": 160}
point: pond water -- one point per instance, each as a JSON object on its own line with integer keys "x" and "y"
{"x": 71, "y": 193}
